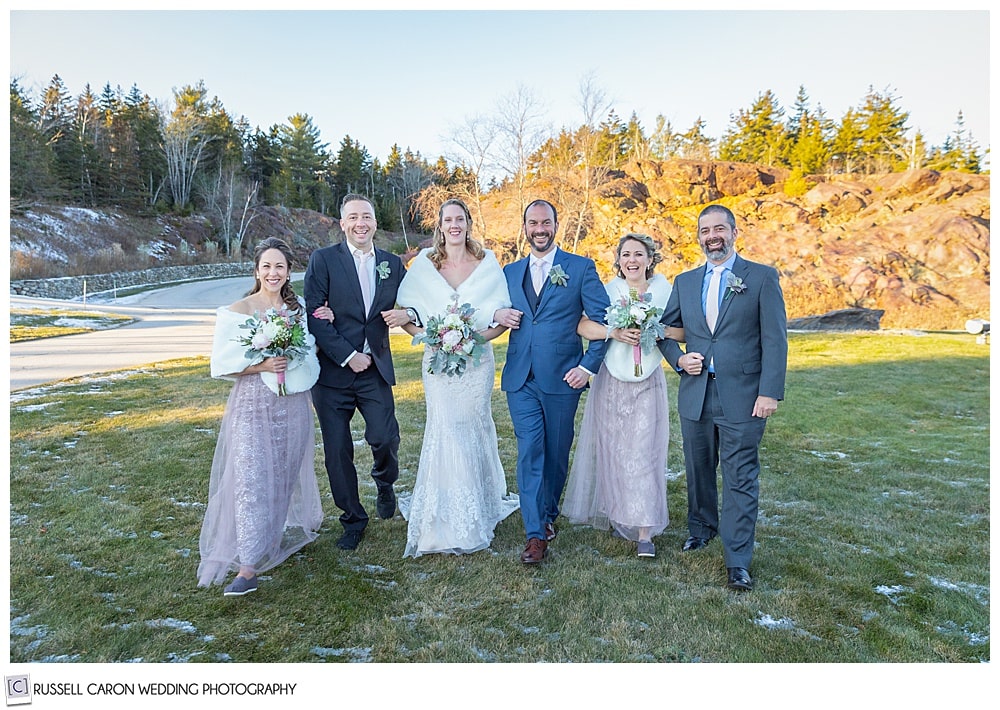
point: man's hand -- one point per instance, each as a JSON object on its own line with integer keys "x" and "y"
{"x": 691, "y": 363}
{"x": 396, "y": 318}
{"x": 577, "y": 378}
{"x": 765, "y": 406}
{"x": 360, "y": 362}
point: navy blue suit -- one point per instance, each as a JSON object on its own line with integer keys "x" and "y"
{"x": 539, "y": 353}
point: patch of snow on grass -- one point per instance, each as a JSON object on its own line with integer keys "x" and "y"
{"x": 783, "y": 624}
{"x": 35, "y": 407}
{"x": 981, "y": 593}
{"x": 357, "y": 655}
{"x": 893, "y": 592}
{"x": 828, "y": 454}
{"x": 972, "y": 638}
{"x": 89, "y": 323}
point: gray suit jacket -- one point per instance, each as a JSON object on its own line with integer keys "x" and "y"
{"x": 750, "y": 343}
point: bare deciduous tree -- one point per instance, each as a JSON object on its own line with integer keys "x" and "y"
{"x": 474, "y": 141}
{"x": 520, "y": 131}
{"x": 185, "y": 138}
{"x": 594, "y": 103}
{"x": 231, "y": 199}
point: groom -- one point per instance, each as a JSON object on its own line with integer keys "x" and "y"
{"x": 358, "y": 282}
{"x": 546, "y": 368}
{"x": 732, "y": 377}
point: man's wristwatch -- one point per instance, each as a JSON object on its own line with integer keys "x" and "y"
{"x": 412, "y": 315}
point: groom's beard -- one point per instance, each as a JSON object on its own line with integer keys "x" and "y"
{"x": 544, "y": 247}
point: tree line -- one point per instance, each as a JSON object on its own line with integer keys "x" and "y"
{"x": 123, "y": 149}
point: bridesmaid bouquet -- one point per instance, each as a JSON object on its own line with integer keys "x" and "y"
{"x": 453, "y": 340}
{"x": 276, "y": 333}
{"x": 637, "y": 312}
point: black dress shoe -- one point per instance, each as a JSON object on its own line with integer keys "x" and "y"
{"x": 385, "y": 504}
{"x": 694, "y": 543}
{"x": 350, "y": 540}
{"x": 739, "y": 579}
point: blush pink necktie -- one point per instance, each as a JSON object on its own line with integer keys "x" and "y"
{"x": 365, "y": 279}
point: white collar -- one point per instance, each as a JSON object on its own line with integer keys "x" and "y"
{"x": 548, "y": 259}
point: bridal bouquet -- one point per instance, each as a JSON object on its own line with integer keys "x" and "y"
{"x": 637, "y": 312}
{"x": 276, "y": 333}
{"x": 453, "y": 340}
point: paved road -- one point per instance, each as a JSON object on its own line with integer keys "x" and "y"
{"x": 173, "y": 322}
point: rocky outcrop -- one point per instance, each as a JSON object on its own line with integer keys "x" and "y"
{"x": 846, "y": 319}
{"x": 914, "y": 245}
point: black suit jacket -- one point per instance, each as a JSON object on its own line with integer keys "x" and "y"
{"x": 332, "y": 278}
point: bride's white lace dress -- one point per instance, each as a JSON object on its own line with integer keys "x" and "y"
{"x": 461, "y": 492}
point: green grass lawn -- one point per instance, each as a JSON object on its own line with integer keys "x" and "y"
{"x": 36, "y": 323}
{"x": 873, "y": 538}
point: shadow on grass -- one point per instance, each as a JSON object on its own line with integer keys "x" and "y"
{"x": 873, "y": 537}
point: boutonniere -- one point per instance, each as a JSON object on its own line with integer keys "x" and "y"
{"x": 383, "y": 270}
{"x": 558, "y": 277}
{"x": 734, "y": 284}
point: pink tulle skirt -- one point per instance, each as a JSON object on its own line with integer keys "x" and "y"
{"x": 263, "y": 498}
{"x": 618, "y": 476}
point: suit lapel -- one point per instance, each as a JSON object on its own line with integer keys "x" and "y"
{"x": 692, "y": 295}
{"x": 350, "y": 268}
{"x": 547, "y": 286}
{"x": 379, "y": 258}
{"x": 740, "y": 269}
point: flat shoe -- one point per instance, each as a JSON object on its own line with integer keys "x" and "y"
{"x": 646, "y": 548}
{"x": 240, "y": 586}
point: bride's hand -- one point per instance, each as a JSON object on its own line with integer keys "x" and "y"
{"x": 629, "y": 336}
{"x": 324, "y": 312}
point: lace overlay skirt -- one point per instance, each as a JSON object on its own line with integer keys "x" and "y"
{"x": 263, "y": 498}
{"x": 460, "y": 493}
{"x": 618, "y": 476}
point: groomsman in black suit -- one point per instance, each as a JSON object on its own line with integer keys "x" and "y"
{"x": 359, "y": 282}
{"x": 732, "y": 378}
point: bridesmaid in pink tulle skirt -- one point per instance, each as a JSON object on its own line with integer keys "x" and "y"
{"x": 263, "y": 498}
{"x": 618, "y": 477}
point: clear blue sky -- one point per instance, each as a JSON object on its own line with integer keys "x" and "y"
{"x": 406, "y": 77}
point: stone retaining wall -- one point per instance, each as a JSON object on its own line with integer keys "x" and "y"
{"x": 72, "y": 287}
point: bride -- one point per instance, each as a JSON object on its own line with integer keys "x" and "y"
{"x": 460, "y": 493}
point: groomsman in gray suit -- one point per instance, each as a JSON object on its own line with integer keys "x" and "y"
{"x": 732, "y": 378}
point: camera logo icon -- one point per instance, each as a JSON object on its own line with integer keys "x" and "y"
{"x": 18, "y": 688}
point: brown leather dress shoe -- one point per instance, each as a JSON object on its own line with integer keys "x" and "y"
{"x": 550, "y": 532}
{"x": 534, "y": 551}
